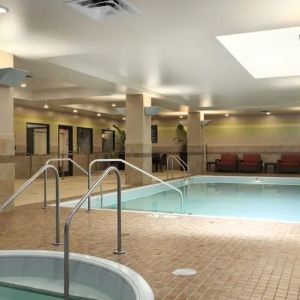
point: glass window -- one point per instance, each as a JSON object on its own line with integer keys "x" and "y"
{"x": 84, "y": 140}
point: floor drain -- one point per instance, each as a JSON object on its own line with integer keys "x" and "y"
{"x": 184, "y": 272}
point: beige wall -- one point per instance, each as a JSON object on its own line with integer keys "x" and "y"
{"x": 242, "y": 130}
{"x": 268, "y": 135}
{"x": 166, "y": 132}
{"x": 24, "y": 115}
{"x": 255, "y": 130}
{"x": 221, "y": 132}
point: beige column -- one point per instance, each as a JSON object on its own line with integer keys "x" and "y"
{"x": 138, "y": 145}
{"x": 7, "y": 142}
{"x": 195, "y": 142}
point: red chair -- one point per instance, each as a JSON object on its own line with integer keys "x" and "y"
{"x": 227, "y": 163}
{"x": 289, "y": 163}
{"x": 251, "y": 163}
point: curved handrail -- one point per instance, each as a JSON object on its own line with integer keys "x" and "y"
{"x": 72, "y": 214}
{"x": 75, "y": 164}
{"x": 180, "y": 161}
{"x": 68, "y": 159}
{"x": 28, "y": 183}
{"x": 134, "y": 167}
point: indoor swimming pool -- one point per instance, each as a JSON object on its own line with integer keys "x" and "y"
{"x": 261, "y": 198}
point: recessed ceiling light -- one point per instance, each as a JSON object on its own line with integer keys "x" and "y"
{"x": 98, "y": 115}
{"x": 75, "y": 111}
{"x": 3, "y": 9}
{"x": 124, "y": 119}
{"x": 46, "y": 106}
{"x": 181, "y": 117}
{"x": 266, "y": 54}
{"x": 114, "y": 105}
{"x": 226, "y": 115}
{"x": 266, "y": 112}
{"x": 23, "y": 85}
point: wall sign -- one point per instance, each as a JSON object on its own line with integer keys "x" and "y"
{"x": 154, "y": 134}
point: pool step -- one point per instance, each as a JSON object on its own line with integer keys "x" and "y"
{"x": 41, "y": 291}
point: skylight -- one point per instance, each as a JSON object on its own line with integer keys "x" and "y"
{"x": 266, "y": 54}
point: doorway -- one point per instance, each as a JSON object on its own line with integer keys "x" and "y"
{"x": 108, "y": 141}
{"x": 65, "y": 149}
{"x": 38, "y": 139}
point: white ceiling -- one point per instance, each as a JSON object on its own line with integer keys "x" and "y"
{"x": 169, "y": 50}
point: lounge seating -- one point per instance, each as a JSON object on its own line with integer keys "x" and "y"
{"x": 251, "y": 163}
{"x": 289, "y": 163}
{"x": 227, "y": 163}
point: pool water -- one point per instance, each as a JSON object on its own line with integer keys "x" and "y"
{"x": 9, "y": 293}
{"x": 232, "y": 200}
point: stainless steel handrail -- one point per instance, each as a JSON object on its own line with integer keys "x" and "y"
{"x": 28, "y": 183}
{"x": 72, "y": 214}
{"x": 180, "y": 161}
{"x": 58, "y": 160}
{"x": 134, "y": 167}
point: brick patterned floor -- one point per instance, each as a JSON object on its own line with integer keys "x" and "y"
{"x": 235, "y": 259}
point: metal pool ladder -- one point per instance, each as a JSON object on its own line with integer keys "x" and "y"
{"x": 135, "y": 168}
{"x": 180, "y": 161}
{"x": 63, "y": 160}
{"x": 44, "y": 170}
{"x": 72, "y": 214}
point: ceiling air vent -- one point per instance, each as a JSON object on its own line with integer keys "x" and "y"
{"x": 101, "y": 9}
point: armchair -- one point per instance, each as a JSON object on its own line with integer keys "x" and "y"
{"x": 289, "y": 163}
{"x": 227, "y": 163}
{"x": 251, "y": 163}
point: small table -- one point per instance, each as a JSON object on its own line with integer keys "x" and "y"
{"x": 270, "y": 164}
{"x": 209, "y": 164}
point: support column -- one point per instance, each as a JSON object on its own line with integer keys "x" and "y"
{"x": 195, "y": 142}
{"x": 7, "y": 141}
{"x": 138, "y": 139}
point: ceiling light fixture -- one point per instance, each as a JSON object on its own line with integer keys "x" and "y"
{"x": 46, "y": 106}
{"x": 266, "y": 112}
{"x": 3, "y": 9}
{"x": 266, "y": 54}
{"x": 23, "y": 85}
{"x": 181, "y": 117}
{"x": 75, "y": 111}
{"x": 98, "y": 115}
{"x": 226, "y": 115}
{"x": 124, "y": 119}
{"x": 114, "y": 105}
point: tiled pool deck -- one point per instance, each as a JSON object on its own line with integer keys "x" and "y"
{"x": 235, "y": 259}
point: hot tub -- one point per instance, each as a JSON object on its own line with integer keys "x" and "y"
{"x": 38, "y": 275}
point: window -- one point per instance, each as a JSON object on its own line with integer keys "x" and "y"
{"x": 108, "y": 140}
{"x": 84, "y": 140}
{"x": 38, "y": 139}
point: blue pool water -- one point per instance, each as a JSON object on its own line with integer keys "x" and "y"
{"x": 9, "y": 293}
{"x": 273, "y": 202}
{"x": 230, "y": 197}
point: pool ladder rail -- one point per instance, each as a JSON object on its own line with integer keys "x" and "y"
{"x": 63, "y": 160}
{"x": 73, "y": 213}
{"x": 181, "y": 163}
{"x": 44, "y": 170}
{"x": 135, "y": 168}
